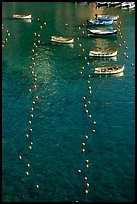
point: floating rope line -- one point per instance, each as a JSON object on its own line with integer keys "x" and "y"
{"x": 123, "y": 42}
{"x": 8, "y": 34}
{"x": 86, "y": 137}
{"x": 34, "y": 99}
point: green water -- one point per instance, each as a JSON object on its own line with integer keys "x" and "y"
{"x": 59, "y": 122}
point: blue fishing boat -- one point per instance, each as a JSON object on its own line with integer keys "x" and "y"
{"x": 99, "y": 22}
{"x": 107, "y": 17}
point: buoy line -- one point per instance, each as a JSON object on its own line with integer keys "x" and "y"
{"x": 8, "y": 34}
{"x": 35, "y": 97}
{"x": 86, "y": 110}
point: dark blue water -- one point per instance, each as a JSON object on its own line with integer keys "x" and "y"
{"x": 59, "y": 122}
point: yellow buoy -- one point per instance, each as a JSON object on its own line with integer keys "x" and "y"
{"x": 86, "y": 111}
{"x": 86, "y": 191}
{"x": 87, "y": 160}
{"x": 30, "y": 147}
{"x": 27, "y": 173}
{"x": 20, "y": 157}
{"x": 27, "y": 135}
{"x": 87, "y": 166}
{"x": 87, "y": 184}
{"x": 86, "y": 137}
{"x": 83, "y": 150}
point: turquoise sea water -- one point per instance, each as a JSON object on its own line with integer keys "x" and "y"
{"x": 59, "y": 122}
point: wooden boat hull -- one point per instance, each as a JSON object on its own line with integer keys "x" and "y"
{"x": 59, "y": 39}
{"x": 99, "y": 22}
{"x": 22, "y": 16}
{"x": 109, "y": 70}
{"x": 109, "y": 53}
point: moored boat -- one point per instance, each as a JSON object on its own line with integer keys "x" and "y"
{"x": 109, "y": 53}
{"x": 60, "y": 39}
{"x": 22, "y": 16}
{"x": 101, "y": 33}
{"x": 104, "y": 17}
{"x": 132, "y": 5}
{"x": 113, "y": 3}
{"x": 99, "y": 22}
{"x": 109, "y": 69}
{"x": 101, "y": 3}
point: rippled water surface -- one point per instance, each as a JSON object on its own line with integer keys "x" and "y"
{"x": 59, "y": 122}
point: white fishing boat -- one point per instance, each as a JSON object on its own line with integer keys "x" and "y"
{"x": 109, "y": 69}
{"x": 99, "y": 22}
{"x": 113, "y": 3}
{"x": 131, "y": 5}
{"x": 59, "y": 39}
{"x": 101, "y": 33}
{"x": 22, "y": 16}
{"x": 125, "y": 4}
{"x": 104, "y": 17}
{"x": 101, "y": 3}
{"x": 109, "y": 53}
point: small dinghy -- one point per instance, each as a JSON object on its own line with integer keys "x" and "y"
{"x": 99, "y": 22}
{"x": 109, "y": 53}
{"x": 59, "y": 39}
{"x": 105, "y": 17}
{"x": 109, "y": 69}
{"x": 101, "y": 33}
{"x": 22, "y": 16}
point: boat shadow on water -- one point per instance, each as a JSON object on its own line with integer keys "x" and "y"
{"x": 55, "y": 44}
{"x": 109, "y": 75}
{"x": 104, "y": 59}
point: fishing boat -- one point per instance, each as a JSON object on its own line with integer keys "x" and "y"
{"x": 109, "y": 53}
{"x": 125, "y": 4}
{"x": 22, "y": 16}
{"x": 131, "y": 5}
{"x": 113, "y": 3}
{"x": 101, "y": 3}
{"x": 104, "y": 17}
{"x": 109, "y": 69}
{"x": 99, "y": 22}
{"x": 59, "y": 39}
{"x": 101, "y": 33}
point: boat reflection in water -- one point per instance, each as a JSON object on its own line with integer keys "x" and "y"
{"x": 111, "y": 75}
{"x": 27, "y": 20}
{"x": 104, "y": 59}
